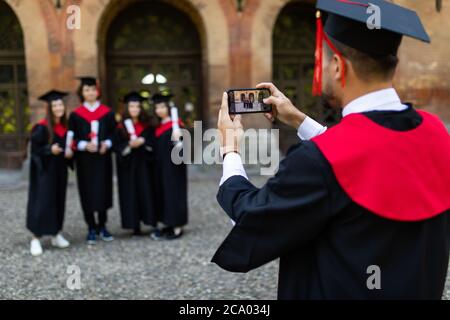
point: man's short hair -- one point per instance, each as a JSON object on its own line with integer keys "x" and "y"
{"x": 367, "y": 67}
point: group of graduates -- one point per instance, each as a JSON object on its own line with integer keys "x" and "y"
{"x": 152, "y": 189}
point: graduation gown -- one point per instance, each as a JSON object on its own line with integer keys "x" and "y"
{"x": 372, "y": 191}
{"x": 94, "y": 171}
{"x": 48, "y": 182}
{"x": 171, "y": 186}
{"x": 135, "y": 173}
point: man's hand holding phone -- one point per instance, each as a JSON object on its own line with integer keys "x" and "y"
{"x": 230, "y": 128}
{"x": 282, "y": 107}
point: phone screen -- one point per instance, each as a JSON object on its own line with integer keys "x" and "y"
{"x": 248, "y": 101}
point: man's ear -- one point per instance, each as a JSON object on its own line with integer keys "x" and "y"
{"x": 337, "y": 67}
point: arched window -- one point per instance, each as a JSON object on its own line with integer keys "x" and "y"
{"x": 151, "y": 47}
{"x": 293, "y": 64}
{"x": 14, "y": 107}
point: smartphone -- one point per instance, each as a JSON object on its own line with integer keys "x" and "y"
{"x": 241, "y": 101}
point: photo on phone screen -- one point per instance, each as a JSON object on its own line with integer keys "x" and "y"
{"x": 248, "y": 101}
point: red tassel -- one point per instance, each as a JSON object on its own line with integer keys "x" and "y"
{"x": 320, "y": 37}
{"x": 317, "y": 81}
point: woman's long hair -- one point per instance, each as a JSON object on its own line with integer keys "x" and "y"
{"x": 144, "y": 118}
{"x": 51, "y": 120}
{"x": 158, "y": 120}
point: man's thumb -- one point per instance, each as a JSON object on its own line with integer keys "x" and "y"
{"x": 271, "y": 100}
{"x": 224, "y": 106}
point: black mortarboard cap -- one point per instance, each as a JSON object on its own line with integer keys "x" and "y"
{"x": 347, "y": 23}
{"x": 160, "y": 97}
{"x": 133, "y": 96}
{"x": 53, "y": 95}
{"x": 88, "y": 81}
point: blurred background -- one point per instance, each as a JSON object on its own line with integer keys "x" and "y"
{"x": 195, "y": 49}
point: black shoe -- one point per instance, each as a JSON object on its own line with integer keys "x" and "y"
{"x": 137, "y": 232}
{"x": 157, "y": 234}
{"x": 91, "y": 238}
{"x": 170, "y": 234}
{"x": 105, "y": 235}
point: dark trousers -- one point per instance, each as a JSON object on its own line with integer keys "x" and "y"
{"x": 89, "y": 217}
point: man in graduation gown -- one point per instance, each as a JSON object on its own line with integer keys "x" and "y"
{"x": 358, "y": 211}
{"x": 93, "y": 158}
{"x": 135, "y": 165}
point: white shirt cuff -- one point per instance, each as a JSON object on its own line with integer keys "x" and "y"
{"x": 81, "y": 146}
{"x": 126, "y": 151}
{"x": 232, "y": 166}
{"x": 310, "y": 129}
{"x": 108, "y": 143}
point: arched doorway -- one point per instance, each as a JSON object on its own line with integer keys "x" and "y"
{"x": 151, "y": 47}
{"x": 293, "y": 64}
{"x": 14, "y": 107}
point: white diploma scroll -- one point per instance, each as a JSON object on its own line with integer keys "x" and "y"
{"x": 94, "y": 132}
{"x": 69, "y": 140}
{"x": 174, "y": 117}
{"x": 130, "y": 128}
{"x": 175, "y": 125}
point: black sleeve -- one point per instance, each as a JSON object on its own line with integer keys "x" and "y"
{"x": 40, "y": 146}
{"x": 120, "y": 141}
{"x": 292, "y": 209}
{"x": 111, "y": 125}
{"x": 150, "y": 141}
{"x": 74, "y": 127}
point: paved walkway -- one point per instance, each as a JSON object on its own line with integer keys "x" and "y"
{"x": 128, "y": 268}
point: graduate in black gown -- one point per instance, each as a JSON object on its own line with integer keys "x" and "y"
{"x": 94, "y": 125}
{"x": 134, "y": 147}
{"x": 358, "y": 211}
{"x": 49, "y": 163}
{"x": 171, "y": 178}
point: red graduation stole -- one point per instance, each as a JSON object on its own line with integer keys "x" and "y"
{"x": 138, "y": 127}
{"x": 89, "y": 116}
{"x": 398, "y": 175}
{"x": 58, "y": 129}
{"x": 165, "y": 127}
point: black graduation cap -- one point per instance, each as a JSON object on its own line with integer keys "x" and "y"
{"x": 161, "y": 97}
{"x": 347, "y": 23}
{"x": 133, "y": 96}
{"x": 88, "y": 81}
{"x": 53, "y": 95}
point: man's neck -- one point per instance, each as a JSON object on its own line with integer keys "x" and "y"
{"x": 361, "y": 90}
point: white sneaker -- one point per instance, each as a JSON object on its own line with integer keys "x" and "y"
{"x": 60, "y": 242}
{"x": 36, "y": 248}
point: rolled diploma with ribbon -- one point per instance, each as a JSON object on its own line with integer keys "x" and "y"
{"x": 130, "y": 128}
{"x": 94, "y": 132}
{"x": 69, "y": 140}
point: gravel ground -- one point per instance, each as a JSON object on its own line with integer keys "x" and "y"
{"x": 128, "y": 268}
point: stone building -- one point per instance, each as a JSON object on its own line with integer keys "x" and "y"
{"x": 195, "y": 48}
